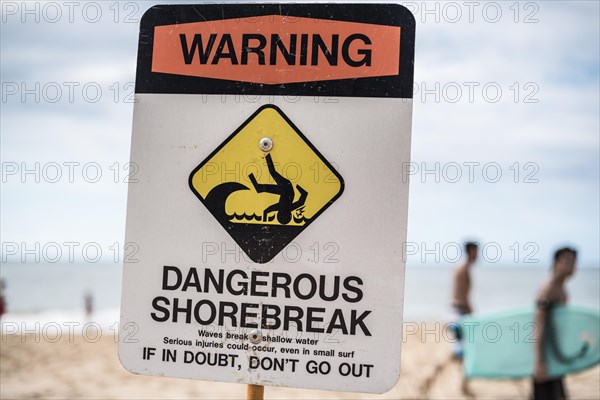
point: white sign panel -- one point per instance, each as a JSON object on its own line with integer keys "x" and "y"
{"x": 266, "y": 219}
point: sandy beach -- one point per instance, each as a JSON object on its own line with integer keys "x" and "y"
{"x": 84, "y": 370}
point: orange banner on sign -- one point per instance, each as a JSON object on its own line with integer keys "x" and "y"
{"x": 277, "y": 49}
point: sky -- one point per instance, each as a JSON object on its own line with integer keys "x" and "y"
{"x": 505, "y": 140}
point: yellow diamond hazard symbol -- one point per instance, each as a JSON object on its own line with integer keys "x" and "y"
{"x": 266, "y": 183}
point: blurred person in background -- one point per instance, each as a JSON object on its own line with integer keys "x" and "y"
{"x": 461, "y": 303}
{"x": 88, "y": 301}
{"x": 2, "y": 298}
{"x": 551, "y": 294}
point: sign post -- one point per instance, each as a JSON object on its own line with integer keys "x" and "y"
{"x": 255, "y": 392}
{"x": 268, "y": 212}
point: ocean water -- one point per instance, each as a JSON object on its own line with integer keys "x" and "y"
{"x": 42, "y": 292}
{"x": 428, "y": 289}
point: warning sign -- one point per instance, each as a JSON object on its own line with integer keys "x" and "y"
{"x": 284, "y": 185}
{"x": 235, "y": 49}
{"x": 265, "y": 226}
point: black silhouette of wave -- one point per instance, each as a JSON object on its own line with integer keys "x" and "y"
{"x": 244, "y": 216}
{"x": 215, "y": 202}
{"x": 301, "y": 220}
{"x": 216, "y": 198}
{"x": 253, "y": 217}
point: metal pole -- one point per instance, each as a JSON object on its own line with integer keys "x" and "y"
{"x": 255, "y": 392}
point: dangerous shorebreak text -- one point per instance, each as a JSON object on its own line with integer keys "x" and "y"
{"x": 174, "y": 307}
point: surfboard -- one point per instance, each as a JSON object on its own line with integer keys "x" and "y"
{"x": 502, "y": 345}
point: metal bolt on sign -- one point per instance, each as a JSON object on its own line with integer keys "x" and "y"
{"x": 266, "y": 144}
{"x": 255, "y": 336}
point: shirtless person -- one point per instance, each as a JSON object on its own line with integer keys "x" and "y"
{"x": 551, "y": 294}
{"x": 461, "y": 305}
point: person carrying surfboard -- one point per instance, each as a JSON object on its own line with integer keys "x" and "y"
{"x": 551, "y": 294}
{"x": 461, "y": 303}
